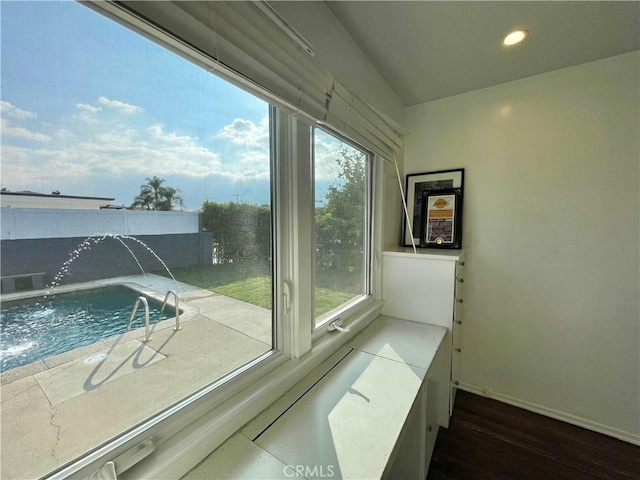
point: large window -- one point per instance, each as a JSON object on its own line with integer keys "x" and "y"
{"x": 342, "y": 225}
{"x": 131, "y": 178}
{"x": 127, "y": 172}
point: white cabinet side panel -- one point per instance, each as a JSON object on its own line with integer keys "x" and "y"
{"x": 419, "y": 289}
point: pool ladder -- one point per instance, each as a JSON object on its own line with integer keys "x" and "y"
{"x": 143, "y": 300}
{"x": 176, "y": 305}
{"x": 147, "y": 334}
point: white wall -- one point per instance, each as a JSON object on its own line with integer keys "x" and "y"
{"x": 23, "y": 223}
{"x": 551, "y": 227}
{"x": 393, "y": 213}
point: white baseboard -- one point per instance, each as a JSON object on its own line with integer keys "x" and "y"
{"x": 565, "y": 417}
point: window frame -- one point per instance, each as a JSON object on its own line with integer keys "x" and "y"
{"x": 221, "y": 408}
{"x": 218, "y": 410}
{"x": 321, "y": 324}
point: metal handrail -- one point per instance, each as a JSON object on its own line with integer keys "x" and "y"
{"x": 147, "y": 336}
{"x": 177, "y": 307}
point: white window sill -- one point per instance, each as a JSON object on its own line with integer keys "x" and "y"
{"x": 203, "y": 428}
{"x": 383, "y": 368}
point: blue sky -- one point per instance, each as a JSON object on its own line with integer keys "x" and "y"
{"x": 91, "y": 108}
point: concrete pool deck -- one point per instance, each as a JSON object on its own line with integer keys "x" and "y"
{"x": 58, "y": 408}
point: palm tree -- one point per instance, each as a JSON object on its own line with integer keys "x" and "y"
{"x": 144, "y": 199}
{"x": 169, "y": 196}
{"x": 154, "y": 196}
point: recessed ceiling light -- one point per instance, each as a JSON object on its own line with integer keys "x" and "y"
{"x": 515, "y": 37}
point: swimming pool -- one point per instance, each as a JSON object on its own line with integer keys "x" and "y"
{"x": 37, "y": 328}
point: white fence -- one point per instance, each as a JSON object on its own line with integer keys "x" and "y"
{"x": 26, "y": 223}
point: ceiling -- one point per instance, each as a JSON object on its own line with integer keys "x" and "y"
{"x": 426, "y": 50}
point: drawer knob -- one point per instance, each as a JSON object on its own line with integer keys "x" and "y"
{"x": 459, "y": 300}
{"x": 458, "y": 349}
{"x": 429, "y": 428}
{"x": 461, "y": 280}
{"x": 459, "y": 322}
{"x": 456, "y": 382}
{"x": 462, "y": 264}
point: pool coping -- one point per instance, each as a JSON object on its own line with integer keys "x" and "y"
{"x": 187, "y": 312}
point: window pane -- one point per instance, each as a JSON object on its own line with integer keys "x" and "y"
{"x": 127, "y": 173}
{"x": 341, "y": 223}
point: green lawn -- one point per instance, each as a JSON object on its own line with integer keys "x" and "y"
{"x": 252, "y": 284}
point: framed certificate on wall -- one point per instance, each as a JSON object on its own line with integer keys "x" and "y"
{"x": 441, "y": 225}
{"x": 416, "y": 185}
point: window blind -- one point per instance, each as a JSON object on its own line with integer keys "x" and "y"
{"x": 244, "y": 45}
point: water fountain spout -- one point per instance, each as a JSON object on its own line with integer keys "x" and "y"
{"x": 93, "y": 240}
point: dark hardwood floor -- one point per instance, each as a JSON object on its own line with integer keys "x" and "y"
{"x": 487, "y": 439}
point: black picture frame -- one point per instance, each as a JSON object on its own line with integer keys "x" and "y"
{"x": 416, "y": 184}
{"x": 441, "y": 225}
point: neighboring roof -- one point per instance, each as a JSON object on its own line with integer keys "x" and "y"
{"x": 27, "y": 193}
{"x": 113, "y": 207}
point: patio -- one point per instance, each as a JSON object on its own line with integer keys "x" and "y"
{"x": 58, "y": 408}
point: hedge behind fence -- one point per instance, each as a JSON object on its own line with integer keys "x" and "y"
{"x": 241, "y": 232}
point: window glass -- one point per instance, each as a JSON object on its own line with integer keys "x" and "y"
{"x": 341, "y": 179}
{"x": 127, "y": 173}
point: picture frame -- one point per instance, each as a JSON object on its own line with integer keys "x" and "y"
{"x": 416, "y": 184}
{"x": 441, "y": 225}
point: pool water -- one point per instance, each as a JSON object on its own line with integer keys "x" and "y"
{"x": 37, "y": 328}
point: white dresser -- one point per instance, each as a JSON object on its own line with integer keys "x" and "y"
{"x": 367, "y": 412}
{"x": 427, "y": 287}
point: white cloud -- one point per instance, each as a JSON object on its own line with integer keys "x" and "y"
{"x": 325, "y": 153}
{"x": 256, "y": 158}
{"x": 12, "y": 111}
{"x": 6, "y": 129}
{"x": 120, "y": 106}
{"x": 90, "y": 112}
{"x": 128, "y": 151}
{"x": 12, "y": 114}
{"x": 83, "y": 107}
{"x": 87, "y": 112}
{"x": 119, "y": 152}
{"x": 92, "y": 150}
{"x": 245, "y": 132}
{"x": 157, "y": 133}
